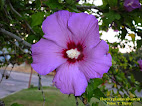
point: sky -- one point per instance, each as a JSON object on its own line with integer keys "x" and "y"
{"x": 110, "y": 35}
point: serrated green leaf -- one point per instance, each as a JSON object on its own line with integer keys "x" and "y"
{"x": 94, "y": 83}
{"x": 37, "y": 18}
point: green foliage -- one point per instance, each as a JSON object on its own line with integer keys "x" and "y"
{"x": 37, "y": 18}
{"x": 95, "y": 104}
{"x": 92, "y": 89}
{"x": 71, "y": 2}
{"x": 54, "y": 4}
{"x": 112, "y": 3}
{"x": 2, "y": 3}
{"x": 110, "y": 17}
{"x": 38, "y": 3}
{"x": 97, "y": 82}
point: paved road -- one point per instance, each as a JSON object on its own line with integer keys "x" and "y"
{"x": 18, "y": 81}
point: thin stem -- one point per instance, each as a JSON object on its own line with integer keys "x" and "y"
{"x": 20, "y": 49}
{"x": 3, "y": 74}
{"x": 114, "y": 79}
{"x": 89, "y": 7}
{"x": 15, "y": 36}
{"x": 41, "y": 89}
{"x": 83, "y": 100}
{"x": 20, "y": 16}
{"x": 118, "y": 3}
{"x": 81, "y": 7}
{"x": 11, "y": 70}
{"x": 76, "y": 100}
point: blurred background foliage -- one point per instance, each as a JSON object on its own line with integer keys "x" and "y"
{"x": 24, "y": 18}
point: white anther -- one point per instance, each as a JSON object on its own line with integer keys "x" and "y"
{"x": 73, "y": 53}
{"x": 129, "y": 4}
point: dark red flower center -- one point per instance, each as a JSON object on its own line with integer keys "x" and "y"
{"x": 74, "y": 52}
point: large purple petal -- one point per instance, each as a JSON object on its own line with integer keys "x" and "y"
{"x": 97, "y": 61}
{"x": 70, "y": 80}
{"x": 46, "y": 56}
{"x": 85, "y": 28}
{"x": 55, "y": 27}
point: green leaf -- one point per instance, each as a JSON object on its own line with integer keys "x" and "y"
{"x": 137, "y": 75}
{"x": 123, "y": 34}
{"x": 104, "y": 3}
{"x": 94, "y": 83}
{"x": 38, "y": 3}
{"x": 37, "y": 18}
{"x": 89, "y": 91}
{"x": 54, "y": 4}
{"x": 110, "y": 17}
{"x": 139, "y": 43}
{"x": 132, "y": 78}
{"x": 98, "y": 93}
{"x": 60, "y": 1}
{"x": 95, "y": 104}
{"x": 70, "y": 2}
{"x": 30, "y": 38}
{"x": 112, "y": 3}
{"x": 2, "y": 3}
{"x": 97, "y": 82}
{"x": 113, "y": 61}
{"x": 73, "y": 8}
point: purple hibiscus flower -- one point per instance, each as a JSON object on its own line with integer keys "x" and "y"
{"x": 130, "y": 5}
{"x": 71, "y": 46}
{"x": 140, "y": 64}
